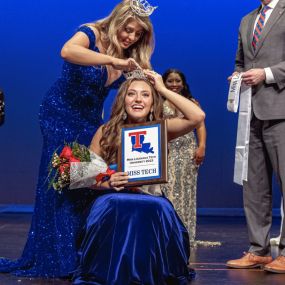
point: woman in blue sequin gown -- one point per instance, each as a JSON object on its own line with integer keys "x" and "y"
{"x": 136, "y": 237}
{"x": 72, "y": 110}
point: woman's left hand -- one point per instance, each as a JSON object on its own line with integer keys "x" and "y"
{"x": 199, "y": 155}
{"x": 155, "y": 78}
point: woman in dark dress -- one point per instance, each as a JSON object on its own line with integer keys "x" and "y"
{"x": 136, "y": 237}
{"x": 72, "y": 110}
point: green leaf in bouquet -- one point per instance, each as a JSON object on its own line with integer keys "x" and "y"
{"x": 81, "y": 152}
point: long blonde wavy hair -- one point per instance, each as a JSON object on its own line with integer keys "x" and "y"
{"x": 109, "y": 27}
{"x": 111, "y": 135}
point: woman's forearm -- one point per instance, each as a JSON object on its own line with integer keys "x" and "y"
{"x": 189, "y": 109}
{"x": 201, "y": 135}
{"x": 78, "y": 54}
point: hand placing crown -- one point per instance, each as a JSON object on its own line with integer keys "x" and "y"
{"x": 142, "y": 8}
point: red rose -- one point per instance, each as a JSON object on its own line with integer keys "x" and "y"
{"x": 66, "y": 152}
{"x": 73, "y": 159}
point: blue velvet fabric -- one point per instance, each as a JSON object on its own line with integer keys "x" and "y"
{"x": 71, "y": 110}
{"x": 133, "y": 239}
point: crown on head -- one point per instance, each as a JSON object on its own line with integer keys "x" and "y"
{"x": 142, "y": 8}
{"x": 137, "y": 73}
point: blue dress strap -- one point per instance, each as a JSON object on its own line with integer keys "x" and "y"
{"x": 90, "y": 34}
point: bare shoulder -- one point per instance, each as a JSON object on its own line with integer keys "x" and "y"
{"x": 95, "y": 143}
{"x": 99, "y": 132}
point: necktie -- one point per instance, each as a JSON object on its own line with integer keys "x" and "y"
{"x": 259, "y": 26}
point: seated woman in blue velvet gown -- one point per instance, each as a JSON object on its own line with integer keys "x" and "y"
{"x": 72, "y": 110}
{"x": 133, "y": 238}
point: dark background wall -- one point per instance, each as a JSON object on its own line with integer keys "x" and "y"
{"x": 198, "y": 37}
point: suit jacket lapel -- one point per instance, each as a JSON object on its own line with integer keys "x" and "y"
{"x": 275, "y": 15}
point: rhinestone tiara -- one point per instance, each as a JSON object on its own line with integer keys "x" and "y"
{"x": 137, "y": 73}
{"x": 142, "y": 8}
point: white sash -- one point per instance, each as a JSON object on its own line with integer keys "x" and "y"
{"x": 241, "y": 92}
{"x": 233, "y": 97}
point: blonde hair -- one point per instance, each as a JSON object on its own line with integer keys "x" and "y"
{"x": 111, "y": 134}
{"x": 108, "y": 28}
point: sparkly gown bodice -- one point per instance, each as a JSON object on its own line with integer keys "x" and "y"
{"x": 74, "y": 104}
{"x": 182, "y": 176}
{"x": 71, "y": 110}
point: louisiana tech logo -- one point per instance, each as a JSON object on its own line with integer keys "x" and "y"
{"x": 138, "y": 144}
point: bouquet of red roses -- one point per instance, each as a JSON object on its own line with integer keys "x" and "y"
{"x": 59, "y": 167}
{"x": 77, "y": 167}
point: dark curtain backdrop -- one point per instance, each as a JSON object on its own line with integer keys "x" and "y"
{"x": 198, "y": 37}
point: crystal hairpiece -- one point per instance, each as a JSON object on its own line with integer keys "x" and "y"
{"x": 137, "y": 73}
{"x": 142, "y": 8}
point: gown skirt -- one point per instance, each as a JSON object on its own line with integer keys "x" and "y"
{"x": 133, "y": 239}
{"x": 71, "y": 111}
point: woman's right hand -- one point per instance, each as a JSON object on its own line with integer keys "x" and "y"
{"x": 125, "y": 64}
{"x": 118, "y": 180}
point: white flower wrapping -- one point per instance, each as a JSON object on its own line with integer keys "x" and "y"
{"x": 83, "y": 174}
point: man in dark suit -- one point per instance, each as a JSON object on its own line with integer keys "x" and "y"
{"x": 261, "y": 58}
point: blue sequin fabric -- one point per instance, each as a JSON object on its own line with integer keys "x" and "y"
{"x": 71, "y": 110}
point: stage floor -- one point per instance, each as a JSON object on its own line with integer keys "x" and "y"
{"x": 209, "y": 262}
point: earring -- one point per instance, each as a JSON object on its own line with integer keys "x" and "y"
{"x": 151, "y": 116}
{"x": 125, "y": 115}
